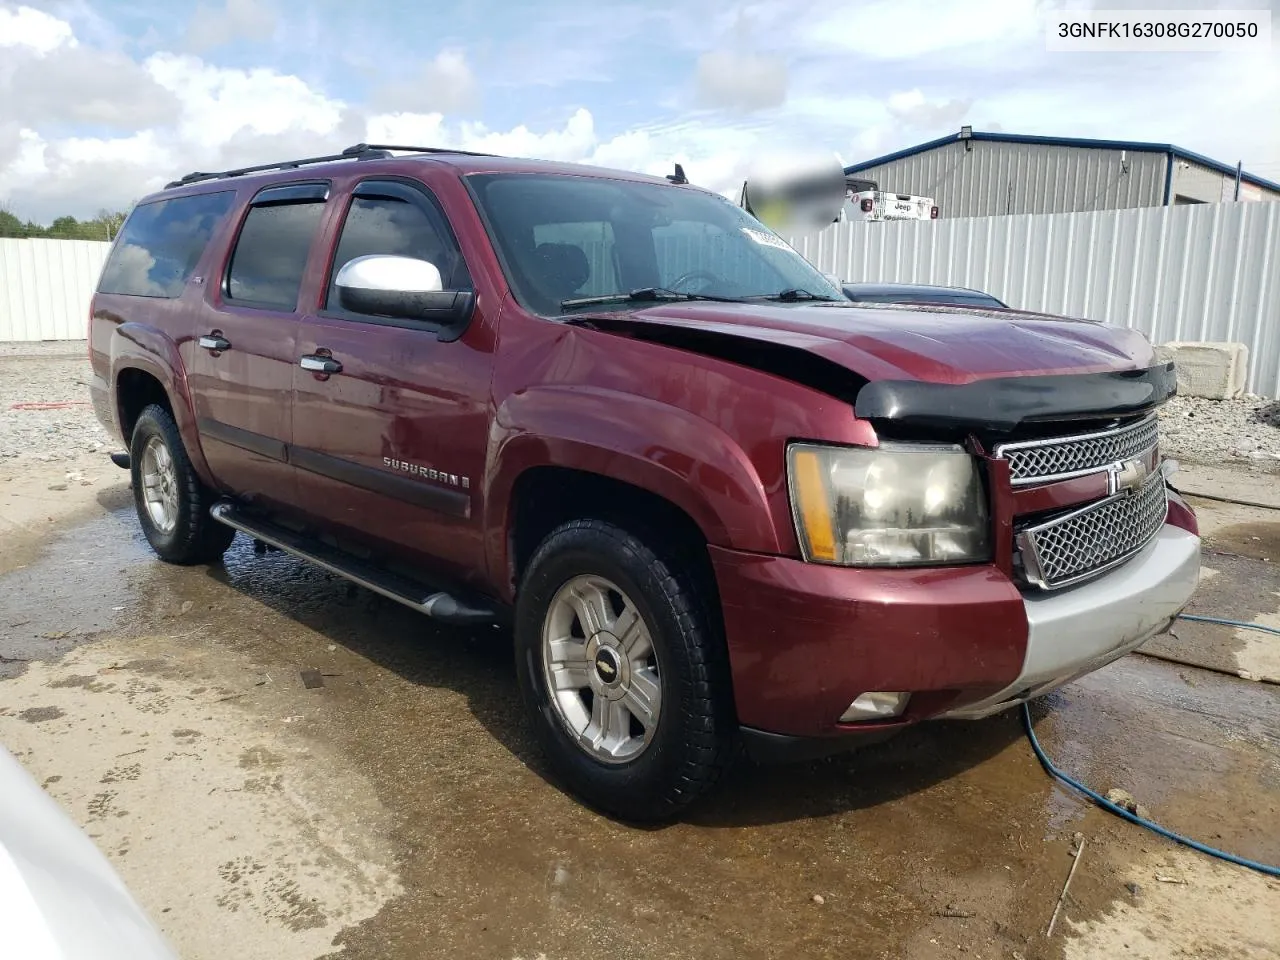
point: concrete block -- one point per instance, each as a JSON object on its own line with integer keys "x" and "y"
{"x": 1217, "y": 371}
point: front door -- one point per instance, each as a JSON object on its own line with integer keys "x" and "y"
{"x": 391, "y": 446}
{"x": 247, "y": 345}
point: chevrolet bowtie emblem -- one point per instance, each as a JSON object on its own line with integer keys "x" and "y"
{"x": 1128, "y": 476}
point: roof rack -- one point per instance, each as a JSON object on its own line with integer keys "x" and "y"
{"x": 360, "y": 151}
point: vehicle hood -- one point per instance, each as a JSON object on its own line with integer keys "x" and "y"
{"x": 929, "y": 343}
{"x": 60, "y": 899}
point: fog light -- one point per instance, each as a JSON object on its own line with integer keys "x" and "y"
{"x": 877, "y": 705}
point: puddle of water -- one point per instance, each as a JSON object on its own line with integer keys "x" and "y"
{"x": 72, "y": 592}
{"x": 1257, "y": 541}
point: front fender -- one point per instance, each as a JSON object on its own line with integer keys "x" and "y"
{"x": 138, "y": 346}
{"x": 660, "y": 448}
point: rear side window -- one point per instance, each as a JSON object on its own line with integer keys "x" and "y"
{"x": 271, "y": 254}
{"x": 161, "y": 243}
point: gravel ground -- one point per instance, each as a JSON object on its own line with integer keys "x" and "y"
{"x": 1215, "y": 431}
{"x": 1201, "y": 431}
{"x": 44, "y": 404}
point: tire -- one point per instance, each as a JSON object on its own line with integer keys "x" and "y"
{"x": 178, "y": 527}
{"x": 660, "y": 769}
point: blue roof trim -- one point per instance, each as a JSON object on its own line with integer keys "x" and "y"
{"x": 1135, "y": 146}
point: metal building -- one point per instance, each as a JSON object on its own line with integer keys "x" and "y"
{"x": 974, "y": 174}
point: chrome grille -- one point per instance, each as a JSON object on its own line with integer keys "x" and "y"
{"x": 1040, "y": 461}
{"x": 1086, "y": 542}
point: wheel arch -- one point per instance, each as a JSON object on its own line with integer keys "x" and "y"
{"x": 546, "y": 497}
{"x": 648, "y": 453}
{"x": 146, "y": 366}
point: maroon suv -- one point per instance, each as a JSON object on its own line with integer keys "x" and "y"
{"x": 717, "y": 502}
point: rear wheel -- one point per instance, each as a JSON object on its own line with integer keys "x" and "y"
{"x": 625, "y": 679}
{"x": 172, "y": 503}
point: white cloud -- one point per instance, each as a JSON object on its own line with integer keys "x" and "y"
{"x": 913, "y": 109}
{"x": 219, "y": 103}
{"x": 415, "y": 129}
{"x": 79, "y": 176}
{"x": 212, "y": 27}
{"x": 83, "y": 85}
{"x": 1185, "y": 106}
{"x": 445, "y": 84}
{"x": 884, "y": 76}
{"x": 10, "y": 143}
{"x": 925, "y": 31}
{"x": 741, "y": 81}
{"x": 33, "y": 29}
{"x": 713, "y": 157}
{"x": 574, "y": 142}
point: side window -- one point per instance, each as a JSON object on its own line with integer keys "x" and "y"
{"x": 688, "y": 246}
{"x": 593, "y": 273}
{"x": 395, "y": 221}
{"x": 271, "y": 252}
{"x": 161, "y": 243}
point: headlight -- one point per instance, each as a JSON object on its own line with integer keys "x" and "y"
{"x": 894, "y": 505}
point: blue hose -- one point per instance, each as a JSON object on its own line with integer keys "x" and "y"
{"x": 1229, "y": 623}
{"x": 1133, "y": 817}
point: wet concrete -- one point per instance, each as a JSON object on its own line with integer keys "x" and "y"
{"x": 70, "y": 588}
{"x": 1240, "y": 581}
{"x": 948, "y": 841}
{"x": 1254, "y": 541}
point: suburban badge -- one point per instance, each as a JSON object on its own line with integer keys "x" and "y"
{"x": 428, "y": 473}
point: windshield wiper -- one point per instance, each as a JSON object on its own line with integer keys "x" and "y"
{"x": 643, "y": 295}
{"x": 794, "y": 295}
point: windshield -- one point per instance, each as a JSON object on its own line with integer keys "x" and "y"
{"x": 567, "y": 239}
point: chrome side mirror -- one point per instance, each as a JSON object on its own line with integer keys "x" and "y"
{"x": 401, "y": 287}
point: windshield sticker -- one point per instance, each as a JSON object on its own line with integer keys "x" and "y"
{"x": 765, "y": 239}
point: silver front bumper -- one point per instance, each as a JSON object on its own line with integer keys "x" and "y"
{"x": 1075, "y": 631}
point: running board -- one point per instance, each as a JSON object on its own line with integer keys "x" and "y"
{"x": 439, "y": 605}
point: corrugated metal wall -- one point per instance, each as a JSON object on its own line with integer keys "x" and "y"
{"x": 996, "y": 179}
{"x": 46, "y": 285}
{"x": 1199, "y": 272}
{"x": 1196, "y": 182}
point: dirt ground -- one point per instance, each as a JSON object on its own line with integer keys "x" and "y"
{"x": 399, "y": 811}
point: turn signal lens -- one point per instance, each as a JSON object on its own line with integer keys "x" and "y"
{"x": 813, "y": 503}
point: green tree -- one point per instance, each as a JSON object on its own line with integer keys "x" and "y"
{"x": 10, "y": 226}
{"x": 64, "y": 228}
{"x": 104, "y": 226}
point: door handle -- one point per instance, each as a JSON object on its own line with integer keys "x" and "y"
{"x": 320, "y": 364}
{"x": 215, "y": 342}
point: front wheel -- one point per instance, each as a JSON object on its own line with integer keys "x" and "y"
{"x": 172, "y": 503}
{"x": 626, "y": 681}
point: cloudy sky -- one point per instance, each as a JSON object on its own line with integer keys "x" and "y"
{"x": 103, "y": 100}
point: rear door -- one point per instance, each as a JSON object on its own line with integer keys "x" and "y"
{"x": 246, "y": 344}
{"x": 151, "y": 279}
{"x": 391, "y": 448}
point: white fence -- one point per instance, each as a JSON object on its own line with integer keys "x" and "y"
{"x": 45, "y": 287}
{"x": 1197, "y": 272}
